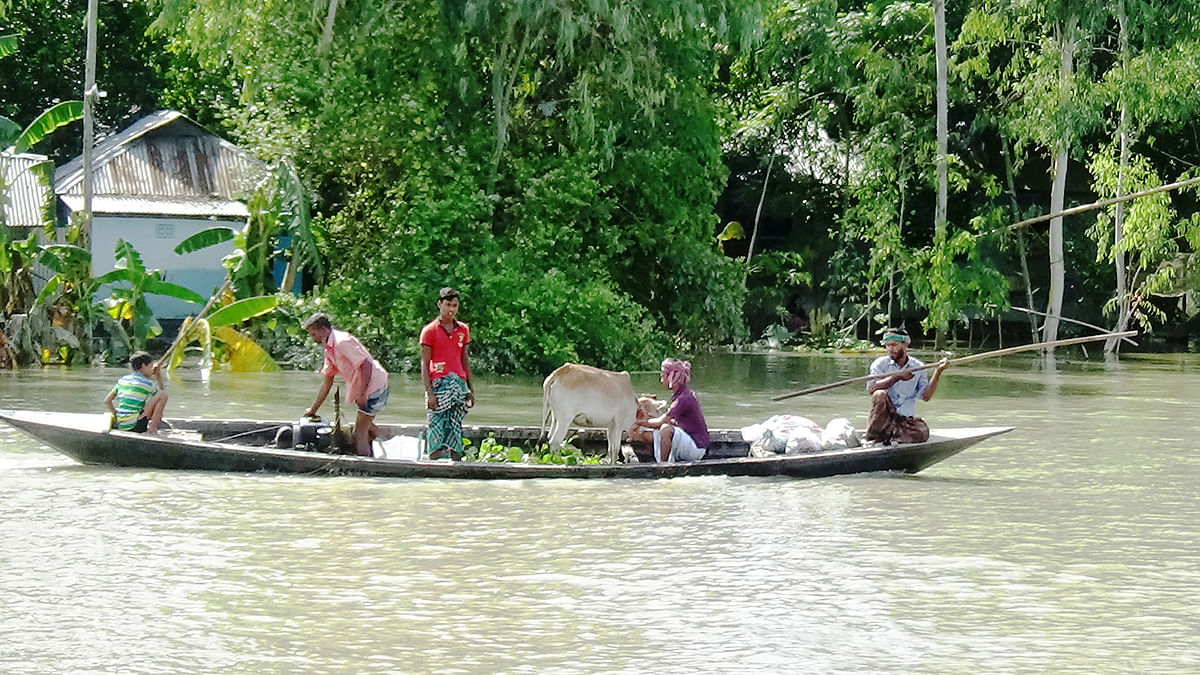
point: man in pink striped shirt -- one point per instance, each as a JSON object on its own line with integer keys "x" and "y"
{"x": 366, "y": 380}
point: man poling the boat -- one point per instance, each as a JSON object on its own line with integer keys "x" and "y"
{"x": 894, "y": 397}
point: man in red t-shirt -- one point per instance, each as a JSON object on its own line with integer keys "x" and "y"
{"x": 446, "y": 371}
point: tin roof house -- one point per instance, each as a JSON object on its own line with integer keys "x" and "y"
{"x": 26, "y": 194}
{"x": 155, "y": 184}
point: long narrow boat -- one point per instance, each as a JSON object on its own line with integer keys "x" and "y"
{"x": 247, "y": 446}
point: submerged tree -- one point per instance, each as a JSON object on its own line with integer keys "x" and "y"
{"x": 1145, "y": 239}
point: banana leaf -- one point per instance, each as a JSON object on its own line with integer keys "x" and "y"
{"x": 58, "y": 257}
{"x": 159, "y": 287}
{"x": 733, "y": 230}
{"x": 245, "y": 356}
{"x": 57, "y": 116}
{"x": 243, "y": 309}
{"x": 145, "y": 325}
{"x": 194, "y": 330}
{"x": 149, "y": 284}
{"x": 128, "y": 257}
{"x": 8, "y": 44}
{"x": 9, "y": 131}
{"x": 49, "y": 290}
{"x": 120, "y": 274}
{"x": 205, "y": 238}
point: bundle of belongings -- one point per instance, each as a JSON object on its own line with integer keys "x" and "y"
{"x": 792, "y": 435}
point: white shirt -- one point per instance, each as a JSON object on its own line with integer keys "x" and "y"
{"x": 904, "y": 393}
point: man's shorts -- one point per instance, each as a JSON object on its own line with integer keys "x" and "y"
{"x": 375, "y": 403}
{"x": 683, "y": 448}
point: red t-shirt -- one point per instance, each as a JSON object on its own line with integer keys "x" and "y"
{"x": 446, "y": 348}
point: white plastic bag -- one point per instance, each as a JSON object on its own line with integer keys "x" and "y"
{"x": 398, "y": 447}
{"x": 804, "y": 439}
{"x": 777, "y": 433}
{"x": 839, "y": 434}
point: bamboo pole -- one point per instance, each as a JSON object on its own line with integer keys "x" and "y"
{"x": 1094, "y": 205}
{"x": 204, "y": 310}
{"x": 90, "y": 93}
{"x": 1074, "y": 321}
{"x": 965, "y": 359}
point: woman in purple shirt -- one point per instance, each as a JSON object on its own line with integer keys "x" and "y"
{"x": 680, "y": 434}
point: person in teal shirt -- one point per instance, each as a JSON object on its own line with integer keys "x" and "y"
{"x": 137, "y": 401}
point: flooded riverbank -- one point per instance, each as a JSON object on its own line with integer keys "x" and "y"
{"x": 1066, "y": 546}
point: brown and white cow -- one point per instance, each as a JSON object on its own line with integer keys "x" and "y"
{"x": 588, "y": 396}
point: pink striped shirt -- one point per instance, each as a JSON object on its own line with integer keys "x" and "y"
{"x": 344, "y": 356}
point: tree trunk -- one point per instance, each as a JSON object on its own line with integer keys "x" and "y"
{"x": 504, "y": 76}
{"x": 289, "y": 276}
{"x": 1058, "y": 190}
{"x": 761, "y": 198}
{"x": 1111, "y": 346}
{"x": 327, "y": 33}
{"x": 1016, "y": 209}
{"x": 939, "y": 218}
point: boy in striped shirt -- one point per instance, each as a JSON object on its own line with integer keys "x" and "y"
{"x": 139, "y": 401}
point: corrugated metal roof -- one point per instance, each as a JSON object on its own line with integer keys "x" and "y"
{"x": 161, "y": 206}
{"x": 164, "y": 154}
{"x": 28, "y": 194}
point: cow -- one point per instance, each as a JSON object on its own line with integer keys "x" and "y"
{"x": 588, "y": 396}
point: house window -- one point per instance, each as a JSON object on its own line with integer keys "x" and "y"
{"x": 164, "y": 231}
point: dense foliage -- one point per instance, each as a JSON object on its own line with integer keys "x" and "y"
{"x": 609, "y": 181}
{"x": 842, "y": 94}
{"x": 556, "y": 163}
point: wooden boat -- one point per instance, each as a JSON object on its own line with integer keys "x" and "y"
{"x": 247, "y": 446}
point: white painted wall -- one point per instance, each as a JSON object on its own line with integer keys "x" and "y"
{"x": 155, "y": 238}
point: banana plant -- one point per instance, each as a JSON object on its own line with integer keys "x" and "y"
{"x": 16, "y": 286}
{"x": 70, "y": 293}
{"x": 278, "y": 207}
{"x": 215, "y": 333}
{"x": 127, "y": 304}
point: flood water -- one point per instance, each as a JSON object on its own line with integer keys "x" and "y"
{"x": 1070, "y": 545}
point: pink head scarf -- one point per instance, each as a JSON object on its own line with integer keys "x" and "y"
{"x": 676, "y": 372}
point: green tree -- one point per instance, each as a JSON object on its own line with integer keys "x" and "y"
{"x": 850, "y": 88}
{"x": 48, "y": 69}
{"x": 498, "y": 147}
{"x": 1149, "y": 89}
{"x": 1037, "y": 56}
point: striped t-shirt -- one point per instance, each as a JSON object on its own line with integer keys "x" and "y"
{"x": 132, "y": 392}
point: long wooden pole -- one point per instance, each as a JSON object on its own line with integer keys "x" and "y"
{"x": 1094, "y": 205}
{"x": 1063, "y": 318}
{"x": 90, "y": 93}
{"x": 965, "y": 359}
{"x": 204, "y": 310}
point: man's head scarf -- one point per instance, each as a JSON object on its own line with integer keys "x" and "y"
{"x": 892, "y": 335}
{"x": 675, "y": 372}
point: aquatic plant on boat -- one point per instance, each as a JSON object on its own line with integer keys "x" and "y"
{"x": 492, "y": 450}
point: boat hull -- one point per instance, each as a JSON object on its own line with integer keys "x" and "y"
{"x": 83, "y": 439}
